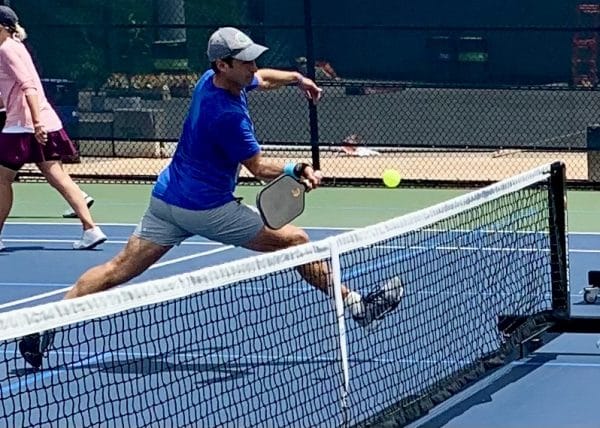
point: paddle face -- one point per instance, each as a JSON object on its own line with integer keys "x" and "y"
{"x": 281, "y": 201}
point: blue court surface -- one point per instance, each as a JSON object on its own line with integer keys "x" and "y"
{"x": 550, "y": 388}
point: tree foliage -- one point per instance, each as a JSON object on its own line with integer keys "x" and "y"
{"x": 88, "y": 40}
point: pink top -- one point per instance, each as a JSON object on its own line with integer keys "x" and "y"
{"x": 18, "y": 77}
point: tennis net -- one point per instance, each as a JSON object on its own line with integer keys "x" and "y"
{"x": 250, "y": 343}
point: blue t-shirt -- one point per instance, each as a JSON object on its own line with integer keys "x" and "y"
{"x": 217, "y": 136}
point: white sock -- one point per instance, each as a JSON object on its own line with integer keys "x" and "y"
{"x": 354, "y": 304}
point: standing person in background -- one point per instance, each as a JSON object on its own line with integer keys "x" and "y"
{"x": 69, "y": 212}
{"x": 33, "y": 133}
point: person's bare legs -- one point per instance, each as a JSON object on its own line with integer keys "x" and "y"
{"x": 137, "y": 256}
{"x": 64, "y": 184}
{"x": 7, "y": 176}
{"x": 317, "y": 273}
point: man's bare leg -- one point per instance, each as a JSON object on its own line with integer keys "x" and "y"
{"x": 137, "y": 256}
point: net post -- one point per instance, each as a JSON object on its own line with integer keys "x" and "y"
{"x": 557, "y": 202}
{"x": 336, "y": 293}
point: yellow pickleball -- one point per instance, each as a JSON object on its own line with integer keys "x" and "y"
{"x": 391, "y": 178}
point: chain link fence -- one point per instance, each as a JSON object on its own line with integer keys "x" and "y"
{"x": 421, "y": 90}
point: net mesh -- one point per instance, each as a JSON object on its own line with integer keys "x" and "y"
{"x": 250, "y": 343}
{"x": 463, "y": 272}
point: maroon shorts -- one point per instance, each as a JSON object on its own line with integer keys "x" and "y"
{"x": 18, "y": 149}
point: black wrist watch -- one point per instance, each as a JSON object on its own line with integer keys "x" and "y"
{"x": 299, "y": 169}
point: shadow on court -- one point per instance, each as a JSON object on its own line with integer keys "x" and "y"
{"x": 516, "y": 373}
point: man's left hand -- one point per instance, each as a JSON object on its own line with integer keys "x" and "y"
{"x": 311, "y": 178}
{"x": 310, "y": 89}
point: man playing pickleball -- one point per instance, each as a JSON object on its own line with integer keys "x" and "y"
{"x": 194, "y": 195}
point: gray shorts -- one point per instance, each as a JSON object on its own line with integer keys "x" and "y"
{"x": 232, "y": 224}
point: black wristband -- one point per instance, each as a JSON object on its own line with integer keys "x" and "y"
{"x": 299, "y": 169}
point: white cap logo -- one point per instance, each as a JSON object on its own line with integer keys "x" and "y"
{"x": 242, "y": 39}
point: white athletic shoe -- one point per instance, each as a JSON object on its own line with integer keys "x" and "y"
{"x": 69, "y": 213}
{"x": 90, "y": 239}
{"x": 2, "y": 246}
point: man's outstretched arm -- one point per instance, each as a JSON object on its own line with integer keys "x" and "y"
{"x": 269, "y": 78}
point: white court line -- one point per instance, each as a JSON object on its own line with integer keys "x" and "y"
{"x": 34, "y": 298}
{"x": 110, "y": 241}
{"x": 33, "y": 284}
{"x": 489, "y": 249}
{"x": 155, "y": 266}
{"x": 584, "y": 251}
{"x": 33, "y": 223}
{"x": 191, "y": 256}
{"x": 50, "y": 223}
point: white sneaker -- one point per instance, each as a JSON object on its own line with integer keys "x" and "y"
{"x": 2, "y": 246}
{"x": 90, "y": 239}
{"x": 69, "y": 213}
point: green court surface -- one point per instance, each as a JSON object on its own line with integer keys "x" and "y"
{"x": 326, "y": 207}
